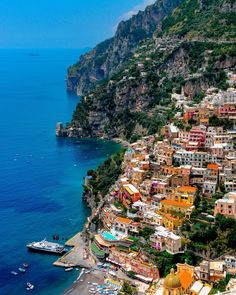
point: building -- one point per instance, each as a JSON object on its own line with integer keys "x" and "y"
{"x": 197, "y": 136}
{"x": 209, "y": 187}
{"x": 186, "y": 275}
{"x": 183, "y": 282}
{"x": 131, "y": 261}
{"x": 175, "y": 208}
{"x": 183, "y": 193}
{"x": 195, "y": 159}
{"x": 227, "y": 205}
{"x": 121, "y": 226}
{"x": 212, "y": 271}
{"x": 128, "y": 195}
{"x": 230, "y": 261}
{"x": 163, "y": 239}
{"x": 172, "y": 284}
{"x": 199, "y": 288}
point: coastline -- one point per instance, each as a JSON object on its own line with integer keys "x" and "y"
{"x": 80, "y": 255}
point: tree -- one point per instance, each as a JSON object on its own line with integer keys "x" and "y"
{"x": 127, "y": 289}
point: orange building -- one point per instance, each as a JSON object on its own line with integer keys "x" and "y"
{"x": 128, "y": 195}
{"x": 183, "y": 193}
{"x": 185, "y": 273}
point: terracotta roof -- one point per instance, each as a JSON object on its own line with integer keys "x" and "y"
{"x": 123, "y": 220}
{"x": 187, "y": 188}
{"x": 175, "y": 203}
{"x": 212, "y": 166}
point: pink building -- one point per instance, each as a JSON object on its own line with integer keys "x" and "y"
{"x": 196, "y": 135}
{"x": 227, "y": 205}
{"x": 227, "y": 109}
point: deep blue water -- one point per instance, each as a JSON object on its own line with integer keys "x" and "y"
{"x": 40, "y": 175}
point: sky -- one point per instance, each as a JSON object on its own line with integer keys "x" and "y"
{"x": 62, "y": 23}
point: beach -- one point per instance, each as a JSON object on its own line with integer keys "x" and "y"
{"x": 82, "y": 286}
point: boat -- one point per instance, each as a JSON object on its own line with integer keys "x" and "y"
{"x": 69, "y": 269}
{"x": 25, "y": 265}
{"x": 22, "y": 269}
{"x": 14, "y": 273}
{"x": 29, "y": 286}
{"x": 48, "y": 247}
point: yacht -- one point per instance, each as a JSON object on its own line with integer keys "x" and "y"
{"x": 48, "y": 247}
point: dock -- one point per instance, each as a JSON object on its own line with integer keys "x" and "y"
{"x": 77, "y": 256}
{"x": 74, "y": 241}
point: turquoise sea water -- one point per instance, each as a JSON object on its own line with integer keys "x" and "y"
{"x": 40, "y": 175}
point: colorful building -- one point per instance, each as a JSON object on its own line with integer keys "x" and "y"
{"x": 227, "y": 205}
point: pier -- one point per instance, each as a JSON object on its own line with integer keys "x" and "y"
{"x": 77, "y": 256}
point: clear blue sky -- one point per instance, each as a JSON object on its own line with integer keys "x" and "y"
{"x": 61, "y": 23}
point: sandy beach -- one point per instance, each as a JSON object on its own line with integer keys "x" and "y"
{"x": 82, "y": 286}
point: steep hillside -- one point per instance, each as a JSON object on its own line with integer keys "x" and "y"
{"x": 136, "y": 99}
{"x": 101, "y": 62}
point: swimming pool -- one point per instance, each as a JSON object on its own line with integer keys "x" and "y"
{"x": 108, "y": 236}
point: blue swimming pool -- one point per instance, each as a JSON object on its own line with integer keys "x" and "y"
{"x": 108, "y": 236}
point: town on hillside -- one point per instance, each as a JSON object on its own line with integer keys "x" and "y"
{"x": 168, "y": 224}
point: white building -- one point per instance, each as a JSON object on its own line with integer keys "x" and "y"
{"x": 163, "y": 239}
{"x": 196, "y": 159}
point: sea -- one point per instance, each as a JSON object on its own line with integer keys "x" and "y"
{"x": 41, "y": 176}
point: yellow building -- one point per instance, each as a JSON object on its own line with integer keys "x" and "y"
{"x": 172, "y": 284}
{"x": 171, "y": 222}
{"x": 185, "y": 194}
{"x": 172, "y": 207}
{"x": 183, "y": 282}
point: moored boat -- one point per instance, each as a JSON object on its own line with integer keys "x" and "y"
{"x": 25, "y": 265}
{"x": 29, "y": 286}
{"x": 48, "y": 247}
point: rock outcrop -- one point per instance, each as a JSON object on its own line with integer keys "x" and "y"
{"x": 101, "y": 62}
{"x": 187, "y": 51}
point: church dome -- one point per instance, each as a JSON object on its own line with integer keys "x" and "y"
{"x": 172, "y": 280}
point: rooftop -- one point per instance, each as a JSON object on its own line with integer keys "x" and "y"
{"x": 123, "y": 220}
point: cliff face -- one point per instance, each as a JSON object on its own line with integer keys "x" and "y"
{"x": 190, "y": 52}
{"x": 101, "y": 62}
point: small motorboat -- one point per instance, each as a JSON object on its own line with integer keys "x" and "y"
{"x": 21, "y": 269}
{"x": 69, "y": 269}
{"x": 14, "y": 273}
{"x": 25, "y": 265}
{"x": 29, "y": 286}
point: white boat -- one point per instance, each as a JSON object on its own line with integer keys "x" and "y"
{"x": 14, "y": 273}
{"x": 29, "y": 286}
{"x": 22, "y": 269}
{"x": 69, "y": 269}
{"x": 25, "y": 265}
{"x": 48, "y": 247}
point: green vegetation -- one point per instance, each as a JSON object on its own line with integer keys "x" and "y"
{"x": 217, "y": 122}
{"x": 215, "y": 239}
{"x": 208, "y": 21}
{"x": 221, "y": 285}
{"x": 127, "y": 289}
{"x": 106, "y": 174}
{"x": 147, "y": 232}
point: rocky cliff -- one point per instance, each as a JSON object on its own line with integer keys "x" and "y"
{"x": 101, "y": 62}
{"x": 190, "y": 50}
